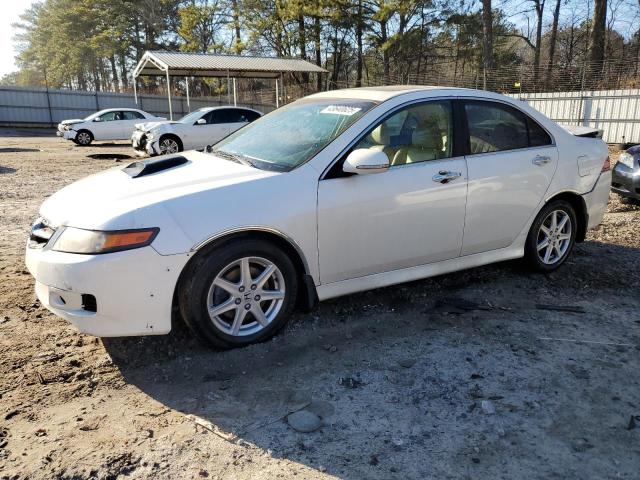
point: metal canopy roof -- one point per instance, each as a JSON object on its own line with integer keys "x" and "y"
{"x": 206, "y": 65}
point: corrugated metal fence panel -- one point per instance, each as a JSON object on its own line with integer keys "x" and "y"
{"x": 616, "y": 112}
{"x": 41, "y": 107}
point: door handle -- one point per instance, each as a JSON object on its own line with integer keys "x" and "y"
{"x": 444, "y": 176}
{"x": 541, "y": 160}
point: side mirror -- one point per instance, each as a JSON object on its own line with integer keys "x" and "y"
{"x": 365, "y": 160}
{"x": 97, "y": 119}
{"x": 201, "y": 121}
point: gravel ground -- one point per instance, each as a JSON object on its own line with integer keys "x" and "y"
{"x": 469, "y": 375}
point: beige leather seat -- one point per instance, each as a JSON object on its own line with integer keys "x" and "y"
{"x": 380, "y": 137}
{"x": 427, "y": 143}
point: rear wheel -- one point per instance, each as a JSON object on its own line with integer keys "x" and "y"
{"x": 238, "y": 294}
{"x": 84, "y": 138}
{"x": 551, "y": 237}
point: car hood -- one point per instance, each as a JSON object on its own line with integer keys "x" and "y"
{"x": 119, "y": 197}
{"x": 72, "y": 121}
{"x": 146, "y": 126}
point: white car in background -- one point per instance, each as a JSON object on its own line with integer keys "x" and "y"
{"x": 195, "y": 130}
{"x": 339, "y": 192}
{"x": 109, "y": 124}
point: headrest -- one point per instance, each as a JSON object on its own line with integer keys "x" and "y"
{"x": 380, "y": 134}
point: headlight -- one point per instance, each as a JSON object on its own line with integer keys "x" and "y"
{"x": 77, "y": 240}
{"x": 626, "y": 159}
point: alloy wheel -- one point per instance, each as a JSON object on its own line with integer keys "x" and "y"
{"x": 169, "y": 145}
{"x": 83, "y": 138}
{"x": 554, "y": 237}
{"x": 246, "y": 296}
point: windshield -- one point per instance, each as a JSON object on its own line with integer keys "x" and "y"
{"x": 291, "y": 135}
{"x": 192, "y": 117}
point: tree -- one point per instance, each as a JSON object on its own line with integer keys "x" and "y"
{"x": 487, "y": 31}
{"x": 597, "y": 38}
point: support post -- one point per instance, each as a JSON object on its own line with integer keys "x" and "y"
{"x": 169, "y": 96}
{"x": 235, "y": 98}
{"x": 228, "y": 90}
{"x": 135, "y": 90}
{"x": 277, "y": 95}
{"x": 186, "y": 80}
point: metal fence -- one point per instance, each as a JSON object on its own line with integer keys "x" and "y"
{"x": 47, "y": 107}
{"x": 616, "y": 112}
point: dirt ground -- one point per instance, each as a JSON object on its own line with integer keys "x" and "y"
{"x": 468, "y": 375}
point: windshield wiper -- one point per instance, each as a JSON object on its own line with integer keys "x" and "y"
{"x": 235, "y": 157}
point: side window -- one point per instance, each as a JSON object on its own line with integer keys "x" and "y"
{"x": 538, "y": 136}
{"x": 219, "y": 116}
{"x": 131, "y": 115}
{"x": 415, "y": 134}
{"x": 494, "y": 127}
{"x": 250, "y": 115}
{"x": 109, "y": 117}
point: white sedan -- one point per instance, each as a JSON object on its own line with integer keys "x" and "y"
{"x": 109, "y": 124}
{"x": 339, "y": 192}
{"x": 195, "y": 130}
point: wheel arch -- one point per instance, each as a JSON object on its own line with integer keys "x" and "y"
{"x": 174, "y": 136}
{"x": 308, "y": 297}
{"x": 580, "y": 207}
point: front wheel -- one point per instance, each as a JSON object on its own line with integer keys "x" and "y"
{"x": 83, "y": 138}
{"x": 239, "y": 293}
{"x": 169, "y": 145}
{"x": 551, "y": 237}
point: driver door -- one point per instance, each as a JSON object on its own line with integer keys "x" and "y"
{"x": 404, "y": 217}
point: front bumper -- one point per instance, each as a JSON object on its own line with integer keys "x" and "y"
{"x": 142, "y": 144}
{"x": 596, "y": 200}
{"x": 69, "y": 134}
{"x": 626, "y": 181}
{"x": 110, "y": 295}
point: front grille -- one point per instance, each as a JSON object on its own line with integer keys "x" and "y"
{"x": 41, "y": 233}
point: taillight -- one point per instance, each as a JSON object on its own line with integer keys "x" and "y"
{"x": 607, "y": 165}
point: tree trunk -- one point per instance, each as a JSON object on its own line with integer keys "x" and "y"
{"x": 317, "y": 30}
{"x": 236, "y": 26}
{"x": 596, "y": 39}
{"x": 385, "y": 51}
{"x": 487, "y": 30}
{"x": 303, "y": 44}
{"x": 114, "y": 73}
{"x": 359, "y": 45}
{"x": 536, "y": 56}
{"x": 552, "y": 42}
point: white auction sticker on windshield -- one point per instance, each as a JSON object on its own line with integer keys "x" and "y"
{"x": 341, "y": 110}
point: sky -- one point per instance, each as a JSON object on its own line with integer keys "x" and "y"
{"x": 11, "y": 11}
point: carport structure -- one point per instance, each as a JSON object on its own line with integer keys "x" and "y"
{"x": 177, "y": 64}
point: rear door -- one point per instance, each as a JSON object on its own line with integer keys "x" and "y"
{"x": 511, "y": 160}
{"x": 128, "y": 122}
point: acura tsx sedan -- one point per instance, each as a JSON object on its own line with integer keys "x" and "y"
{"x": 339, "y": 192}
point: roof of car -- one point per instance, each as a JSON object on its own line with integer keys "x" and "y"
{"x": 383, "y": 93}
{"x": 206, "y": 109}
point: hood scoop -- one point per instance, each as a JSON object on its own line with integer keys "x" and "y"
{"x": 149, "y": 167}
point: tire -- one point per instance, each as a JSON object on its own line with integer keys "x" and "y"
{"x": 83, "y": 138}
{"x": 169, "y": 144}
{"x": 225, "y": 317}
{"x": 546, "y": 257}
